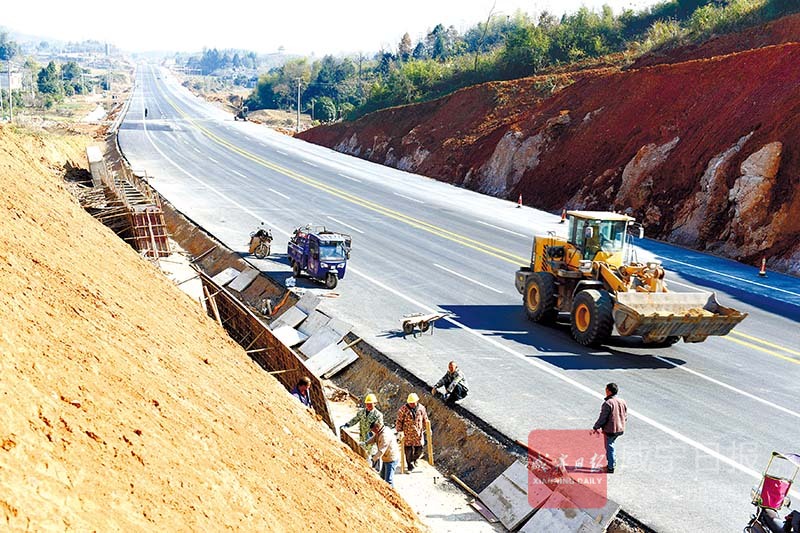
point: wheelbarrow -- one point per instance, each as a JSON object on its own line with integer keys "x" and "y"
{"x": 420, "y": 321}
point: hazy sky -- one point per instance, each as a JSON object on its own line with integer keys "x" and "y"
{"x": 317, "y": 26}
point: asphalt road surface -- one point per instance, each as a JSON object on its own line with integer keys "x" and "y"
{"x": 703, "y": 417}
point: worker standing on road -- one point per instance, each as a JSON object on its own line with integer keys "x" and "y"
{"x": 612, "y": 419}
{"x": 411, "y": 420}
{"x": 387, "y": 450}
{"x": 301, "y": 391}
{"x": 455, "y": 385}
{"x": 365, "y": 417}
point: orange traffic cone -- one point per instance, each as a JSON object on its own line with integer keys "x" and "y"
{"x": 763, "y": 271}
{"x": 563, "y": 215}
{"x": 519, "y": 201}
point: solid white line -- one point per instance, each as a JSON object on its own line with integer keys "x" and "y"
{"x": 345, "y": 224}
{"x": 239, "y": 174}
{"x": 213, "y": 160}
{"x": 729, "y": 276}
{"x": 350, "y": 178}
{"x": 501, "y": 229}
{"x": 280, "y": 194}
{"x": 466, "y": 278}
{"x": 538, "y": 364}
{"x": 409, "y": 198}
{"x": 729, "y": 387}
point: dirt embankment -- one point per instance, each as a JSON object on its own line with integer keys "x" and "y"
{"x": 703, "y": 151}
{"x": 124, "y": 407}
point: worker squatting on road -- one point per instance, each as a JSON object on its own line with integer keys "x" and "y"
{"x": 411, "y": 420}
{"x": 387, "y": 451}
{"x": 612, "y": 419}
{"x": 455, "y": 385}
{"x": 365, "y": 417}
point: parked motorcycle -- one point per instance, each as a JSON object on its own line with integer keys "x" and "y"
{"x": 260, "y": 241}
{"x": 772, "y": 496}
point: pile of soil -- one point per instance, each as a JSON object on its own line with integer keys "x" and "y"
{"x": 124, "y": 407}
{"x": 702, "y": 151}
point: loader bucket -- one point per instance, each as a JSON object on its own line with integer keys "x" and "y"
{"x": 657, "y": 316}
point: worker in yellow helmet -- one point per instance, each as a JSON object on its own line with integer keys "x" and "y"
{"x": 411, "y": 420}
{"x": 365, "y": 417}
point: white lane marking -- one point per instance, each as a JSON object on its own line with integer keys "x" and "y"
{"x": 538, "y": 364}
{"x": 280, "y": 152}
{"x": 280, "y": 194}
{"x": 729, "y": 276}
{"x": 350, "y": 178}
{"x": 345, "y": 224}
{"x": 730, "y": 387}
{"x": 213, "y": 160}
{"x": 239, "y": 174}
{"x": 408, "y": 198}
{"x": 501, "y": 229}
{"x": 196, "y": 150}
{"x": 309, "y": 163}
{"x": 453, "y": 272}
{"x": 555, "y": 373}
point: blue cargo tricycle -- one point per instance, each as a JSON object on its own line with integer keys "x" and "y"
{"x": 321, "y": 253}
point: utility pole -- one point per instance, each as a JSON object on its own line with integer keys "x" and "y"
{"x": 298, "y": 103}
{"x": 10, "y": 99}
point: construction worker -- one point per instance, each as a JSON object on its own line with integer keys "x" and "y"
{"x": 387, "y": 452}
{"x": 454, "y": 383}
{"x": 411, "y": 421}
{"x": 365, "y": 417}
{"x": 612, "y": 419}
{"x": 301, "y": 391}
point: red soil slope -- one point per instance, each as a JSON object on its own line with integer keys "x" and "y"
{"x": 125, "y": 408}
{"x": 703, "y": 151}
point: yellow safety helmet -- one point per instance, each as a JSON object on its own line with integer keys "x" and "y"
{"x": 412, "y": 398}
{"x": 371, "y": 398}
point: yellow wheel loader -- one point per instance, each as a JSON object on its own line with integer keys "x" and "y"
{"x": 594, "y": 276}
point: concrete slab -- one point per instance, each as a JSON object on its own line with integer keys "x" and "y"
{"x": 291, "y": 317}
{"x": 243, "y": 280}
{"x": 340, "y": 326}
{"x": 324, "y": 337}
{"x": 225, "y": 277}
{"x": 507, "y": 496}
{"x": 559, "y": 515}
{"x": 314, "y": 321}
{"x": 308, "y": 302}
{"x": 329, "y": 359}
{"x": 289, "y": 336}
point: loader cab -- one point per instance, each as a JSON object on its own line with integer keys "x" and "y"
{"x": 598, "y": 235}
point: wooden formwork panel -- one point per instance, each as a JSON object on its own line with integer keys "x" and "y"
{"x": 263, "y": 347}
{"x": 150, "y": 232}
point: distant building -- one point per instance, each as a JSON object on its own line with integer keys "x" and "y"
{"x": 16, "y": 80}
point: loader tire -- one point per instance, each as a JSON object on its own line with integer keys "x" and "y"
{"x": 592, "y": 317}
{"x": 539, "y": 298}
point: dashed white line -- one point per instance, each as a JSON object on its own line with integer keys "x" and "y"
{"x": 280, "y": 194}
{"x": 309, "y": 163}
{"x": 239, "y": 174}
{"x": 453, "y": 272}
{"x": 501, "y": 229}
{"x": 280, "y": 152}
{"x": 345, "y": 224}
{"x": 349, "y": 178}
{"x": 408, "y": 198}
{"x": 196, "y": 150}
{"x": 213, "y": 160}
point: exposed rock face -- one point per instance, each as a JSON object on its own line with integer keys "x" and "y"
{"x": 700, "y": 151}
{"x": 637, "y": 178}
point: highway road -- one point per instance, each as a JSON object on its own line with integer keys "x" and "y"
{"x": 703, "y": 417}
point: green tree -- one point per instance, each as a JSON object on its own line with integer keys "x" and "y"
{"x": 49, "y": 80}
{"x": 8, "y": 48}
{"x": 525, "y": 51}
{"x": 325, "y": 109}
{"x": 404, "y": 48}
